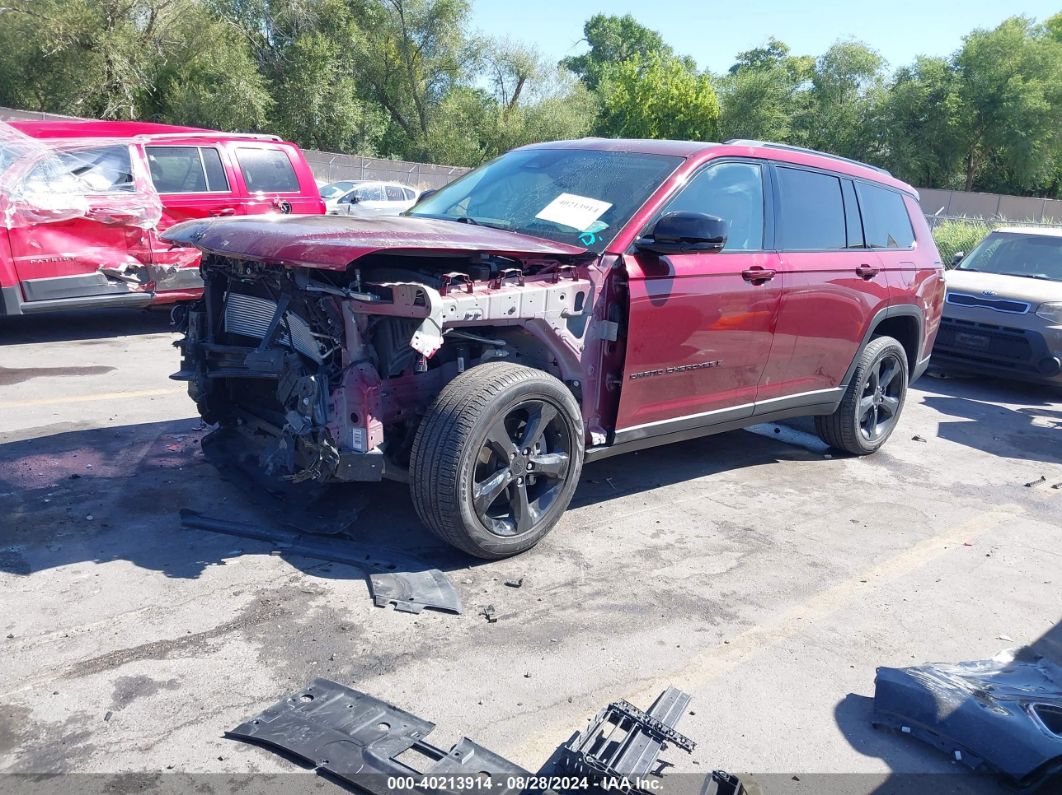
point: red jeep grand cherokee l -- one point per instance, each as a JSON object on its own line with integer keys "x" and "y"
{"x": 82, "y": 204}
{"x": 565, "y": 302}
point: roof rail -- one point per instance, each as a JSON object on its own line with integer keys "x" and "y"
{"x": 206, "y": 134}
{"x": 805, "y": 150}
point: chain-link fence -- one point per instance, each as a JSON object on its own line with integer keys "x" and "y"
{"x": 954, "y": 233}
{"x": 332, "y": 167}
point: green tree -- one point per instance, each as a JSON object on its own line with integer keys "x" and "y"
{"x": 1010, "y": 85}
{"x": 168, "y": 60}
{"x": 415, "y": 52}
{"x": 922, "y": 122}
{"x": 527, "y": 101}
{"x": 657, "y": 96}
{"x": 614, "y": 40}
{"x": 847, "y": 86}
{"x": 306, "y": 51}
{"x": 765, "y": 93}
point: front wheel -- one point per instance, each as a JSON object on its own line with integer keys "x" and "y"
{"x": 871, "y": 407}
{"x": 497, "y": 459}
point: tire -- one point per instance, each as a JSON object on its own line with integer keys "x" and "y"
{"x": 863, "y": 422}
{"x": 471, "y": 480}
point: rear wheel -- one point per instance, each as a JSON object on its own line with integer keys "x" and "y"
{"x": 497, "y": 459}
{"x": 871, "y": 407}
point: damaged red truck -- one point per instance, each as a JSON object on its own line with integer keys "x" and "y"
{"x": 565, "y": 302}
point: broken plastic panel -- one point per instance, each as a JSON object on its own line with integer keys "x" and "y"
{"x": 1003, "y": 715}
{"x": 622, "y": 742}
{"x": 409, "y": 591}
{"x": 412, "y": 591}
{"x": 368, "y": 743}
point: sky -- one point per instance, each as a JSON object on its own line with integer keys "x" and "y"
{"x": 713, "y": 32}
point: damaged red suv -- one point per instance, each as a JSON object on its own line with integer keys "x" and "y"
{"x": 566, "y": 302}
{"x": 82, "y": 204}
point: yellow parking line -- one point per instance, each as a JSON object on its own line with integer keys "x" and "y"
{"x": 58, "y": 401}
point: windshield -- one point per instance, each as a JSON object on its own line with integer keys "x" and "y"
{"x": 1031, "y": 256}
{"x": 335, "y": 189}
{"x": 578, "y": 196}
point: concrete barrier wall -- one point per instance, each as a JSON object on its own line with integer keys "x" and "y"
{"x": 990, "y": 206}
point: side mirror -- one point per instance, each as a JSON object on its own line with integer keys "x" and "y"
{"x": 427, "y": 194}
{"x": 685, "y": 233}
{"x": 956, "y": 258}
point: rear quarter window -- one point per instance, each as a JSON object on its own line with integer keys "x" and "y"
{"x": 812, "y": 211}
{"x": 267, "y": 170}
{"x": 885, "y": 219}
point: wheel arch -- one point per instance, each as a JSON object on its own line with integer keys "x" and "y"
{"x": 902, "y": 322}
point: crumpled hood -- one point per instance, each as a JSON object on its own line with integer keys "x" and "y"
{"x": 333, "y": 242}
{"x": 1018, "y": 288}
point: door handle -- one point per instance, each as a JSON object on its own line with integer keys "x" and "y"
{"x": 757, "y": 275}
{"x": 867, "y": 271}
{"x": 224, "y": 211}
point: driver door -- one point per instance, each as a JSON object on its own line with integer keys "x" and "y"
{"x": 70, "y": 239}
{"x": 700, "y": 324}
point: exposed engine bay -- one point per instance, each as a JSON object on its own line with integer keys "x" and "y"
{"x": 328, "y": 373}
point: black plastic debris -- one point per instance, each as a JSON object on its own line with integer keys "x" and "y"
{"x": 357, "y": 738}
{"x": 723, "y": 783}
{"x": 622, "y": 743}
{"x": 412, "y": 591}
{"x": 409, "y": 591}
{"x": 1002, "y": 716}
{"x": 490, "y": 614}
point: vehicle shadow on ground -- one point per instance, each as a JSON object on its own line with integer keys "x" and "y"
{"x": 936, "y": 772}
{"x": 1032, "y": 432}
{"x": 107, "y": 494}
{"x": 82, "y": 325}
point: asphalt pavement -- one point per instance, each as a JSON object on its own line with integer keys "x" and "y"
{"x": 765, "y": 578}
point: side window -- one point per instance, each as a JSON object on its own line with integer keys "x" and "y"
{"x": 733, "y": 192}
{"x": 395, "y": 194}
{"x": 217, "y": 180}
{"x": 186, "y": 169}
{"x": 370, "y": 193}
{"x": 812, "y": 212}
{"x": 885, "y": 218}
{"x": 853, "y": 224}
{"x": 409, "y": 194}
{"x": 103, "y": 169}
{"x": 267, "y": 170}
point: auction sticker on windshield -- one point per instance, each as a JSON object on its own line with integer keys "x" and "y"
{"x": 578, "y": 212}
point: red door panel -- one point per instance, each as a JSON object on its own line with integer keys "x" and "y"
{"x": 698, "y": 335}
{"x": 91, "y": 243}
{"x": 193, "y": 181}
{"x": 827, "y": 300}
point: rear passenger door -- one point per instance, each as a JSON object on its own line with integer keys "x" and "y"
{"x": 193, "y": 182}
{"x": 269, "y": 181}
{"x": 889, "y": 232}
{"x": 832, "y": 284}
